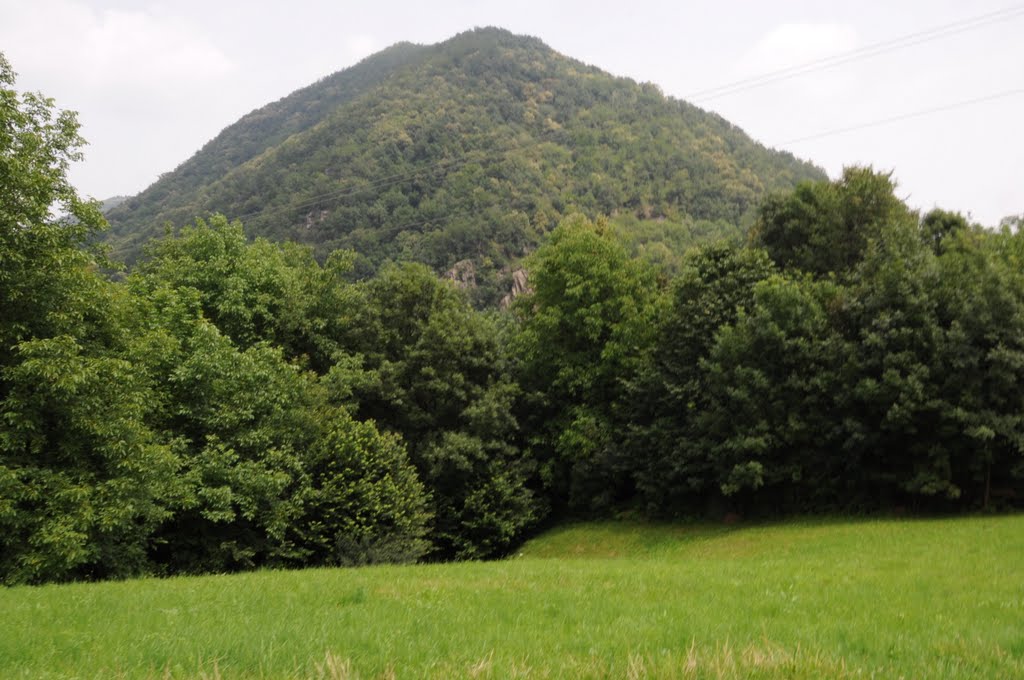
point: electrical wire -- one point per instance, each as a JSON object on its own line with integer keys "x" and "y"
{"x": 907, "y": 116}
{"x": 884, "y": 47}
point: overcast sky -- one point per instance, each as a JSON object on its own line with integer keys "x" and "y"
{"x": 154, "y": 81}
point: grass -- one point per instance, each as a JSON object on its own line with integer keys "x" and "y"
{"x": 809, "y": 599}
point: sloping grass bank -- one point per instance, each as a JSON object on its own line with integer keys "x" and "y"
{"x": 912, "y": 598}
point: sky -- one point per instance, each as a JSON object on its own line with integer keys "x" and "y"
{"x": 152, "y": 81}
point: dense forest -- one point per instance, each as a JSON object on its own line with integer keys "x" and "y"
{"x": 469, "y": 150}
{"x": 232, "y": 403}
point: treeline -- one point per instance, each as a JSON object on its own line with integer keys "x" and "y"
{"x": 850, "y": 358}
{"x": 233, "y": 404}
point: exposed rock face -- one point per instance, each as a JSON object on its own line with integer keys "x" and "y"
{"x": 463, "y": 273}
{"x": 520, "y": 285}
{"x": 315, "y": 218}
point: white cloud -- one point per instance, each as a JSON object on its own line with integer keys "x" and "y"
{"x": 360, "y": 46}
{"x": 769, "y": 72}
{"x": 71, "y": 42}
{"x": 794, "y": 44}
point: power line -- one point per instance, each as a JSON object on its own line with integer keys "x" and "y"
{"x": 901, "y": 42}
{"x": 907, "y": 116}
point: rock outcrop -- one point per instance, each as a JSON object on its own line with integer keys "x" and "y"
{"x": 462, "y": 273}
{"x": 520, "y": 285}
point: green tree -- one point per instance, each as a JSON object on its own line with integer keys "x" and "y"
{"x": 583, "y": 329}
{"x": 824, "y": 227}
{"x": 254, "y": 291}
{"x": 364, "y": 503}
{"x": 937, "y": 225}
{"x": 421, "y": 362}
{"x": 46, "y": 276}
{"x": 715, "y": 285}
{"x": 769, "y": 423}
{"x": 83, "y": 479}
{"x": 241, "y": 421}
{"x": 980, "y": 362}
{"x": 894, "y": 441}
{"x": 276, "y": 474}
{"x": 272, "y": 473}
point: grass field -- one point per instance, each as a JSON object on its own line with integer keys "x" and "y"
{"x": 809, "y": 599}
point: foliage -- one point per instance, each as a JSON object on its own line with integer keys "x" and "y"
{"x": 582, "y": 329}
{"x": 277, "y": 474}
{"x": 241, "y": 422}
{"x": 939, "y": 224}
{"x": 825, "y": 227}
{"x": 877, "y": 372}
{"x": 83, "y": 479}
{"x": 365, "y": 503}
{"x": 769, "y": 421}
{"x": 671, "y": 387}
{"x": 425, "y": 365}
{"x": 45, "y": 278}
{"x": 254, "y": 292}
{"x": 153, "y": 425}
{"x": 665, "y": 243}
{"x": 979, "y": 364}
{"x": 234, "y": 404}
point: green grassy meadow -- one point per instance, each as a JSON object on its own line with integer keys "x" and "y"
{"x": 802, "y": 599}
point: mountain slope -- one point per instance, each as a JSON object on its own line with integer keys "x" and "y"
{"x": 469, "y": 149}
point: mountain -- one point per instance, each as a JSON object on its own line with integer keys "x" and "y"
{"x": 470, "y": 149}
{"x": 108, "y": 204}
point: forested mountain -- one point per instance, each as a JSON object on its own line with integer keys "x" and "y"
{"x": 473, "y": 148}
{"x": 108, "y": 204}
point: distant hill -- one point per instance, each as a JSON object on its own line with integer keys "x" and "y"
{"x": 108, "y": 204}
{"x": 469, "y": 149}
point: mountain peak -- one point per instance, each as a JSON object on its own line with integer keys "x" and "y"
{"x": 470, "y": 149}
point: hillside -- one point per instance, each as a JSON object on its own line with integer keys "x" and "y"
{"x": 471, "y": 148}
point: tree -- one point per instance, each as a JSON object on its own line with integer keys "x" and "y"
{"x": 980, "y": 362}
{"x": 715, "y": 285}
{"x": 583, "y": 329}
{"x": 254, "y": 291}
{"x": 45, "y": 275}
{"x": 83, "y": 479}
{"x": 364, "y": 503}
{"x": 241, "y": 422}
{"x": 419, "y": 361}
{"x": 895, "y": 442}
{"x": 937, "y": 225}
{"x": 272, "y": 474}
{"x": 135, "y": 435}
{"x": 823, "y": 227}
{"x": 769, "y": 425}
